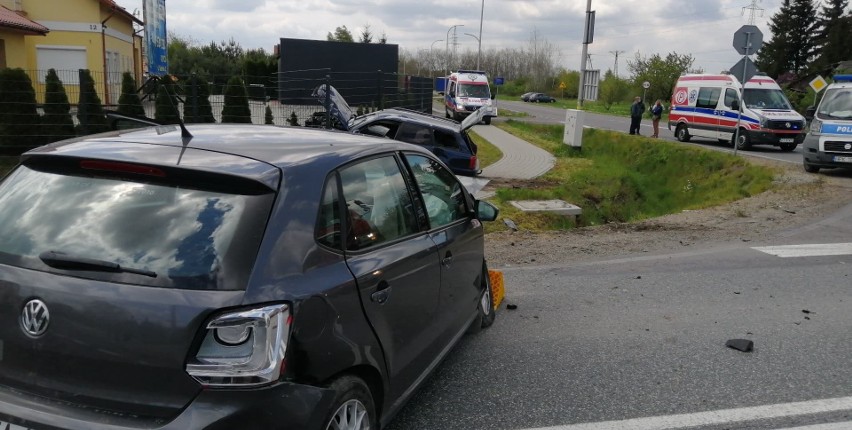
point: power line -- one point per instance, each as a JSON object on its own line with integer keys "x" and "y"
{"x": 752, "y": 9}
{"x": 615, "y": 67}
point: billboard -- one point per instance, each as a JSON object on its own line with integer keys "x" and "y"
{"x": 155, "y": 37}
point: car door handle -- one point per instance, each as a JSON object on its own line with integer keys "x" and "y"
{"x": 447, "y": 260}
{"x": 383, "y": 293}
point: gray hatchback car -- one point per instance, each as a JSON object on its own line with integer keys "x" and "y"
{"x": 231, "y": 277}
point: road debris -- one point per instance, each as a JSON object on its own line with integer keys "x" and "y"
{"x": 743, "y": 345}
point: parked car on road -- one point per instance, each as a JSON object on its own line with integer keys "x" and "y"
{"x": 526, "y": 96}
{"x": 231, "y": 277}
{"x": 828, "y": 143}
{"x": 446, "y": 138}
{"x": 541, "y": 98}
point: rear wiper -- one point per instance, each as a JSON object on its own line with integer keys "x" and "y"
{"x": 64, "y": 261}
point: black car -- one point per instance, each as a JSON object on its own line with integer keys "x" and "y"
{"x": 526, "y": 96}
{"x": 231, "y": 277}
{"x": 446, "y": 138}
{"x": 541, "y": 98}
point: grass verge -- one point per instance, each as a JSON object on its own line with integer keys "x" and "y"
{"x": 621, "y": 178}
{"x": 487, "y": 153}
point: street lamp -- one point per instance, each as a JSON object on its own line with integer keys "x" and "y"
{"x": 479, "y": 51}
{"x": 448, "y": 44}
{"x": 479, "y": 39}
{"x": 432, "y": 57}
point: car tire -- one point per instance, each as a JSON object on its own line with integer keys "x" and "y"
{"x": 682, "y": 133}
{"x": 352, "y": 407}
{"x": 485, "y": 305}
{"x": 810, "y": 168}
{"x": 743, "y": 141}
{"x": 487, "y": 120}
{"x": 447, "y": 112}
{"x": 787, "y": 147}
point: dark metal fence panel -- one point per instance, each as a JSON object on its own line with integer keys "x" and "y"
{"x": 284, "y": 98}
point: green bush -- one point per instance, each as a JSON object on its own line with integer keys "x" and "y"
{"x": 236, "y": 108}
{"x": 90, "y": 112}
{"x": 19, "y": 119}
{"x": 57, "y": 123}
{"x": 197, "y": 108}
{"x": 129, "y": 102}
{"x": 267, "y": 117}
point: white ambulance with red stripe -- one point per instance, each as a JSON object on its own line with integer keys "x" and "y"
{"x": 467, "y": 91}
{"x": 706, "y": 105}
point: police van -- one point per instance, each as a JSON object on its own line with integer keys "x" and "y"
{"x": 707, "y": 105}
{"x": 467, "y": 91}
{"x": 829, "y": 140}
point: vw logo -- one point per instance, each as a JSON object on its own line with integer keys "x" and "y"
{"x": 35, "y": 318}
{"x": 788, "y": 125}
{"x": 847, "y": 147}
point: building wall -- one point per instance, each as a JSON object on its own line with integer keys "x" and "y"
{"x": 15, "y": 48}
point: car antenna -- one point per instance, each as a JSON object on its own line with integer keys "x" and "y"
{"x": 185, "y": 135}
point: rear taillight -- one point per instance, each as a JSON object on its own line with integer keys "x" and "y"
{"x": 112, "y": 166}
{"x": 474, "y": 163}
{"x": 244, "y": 348}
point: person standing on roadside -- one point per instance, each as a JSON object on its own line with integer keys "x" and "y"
{"x": 656, "y": 114}
{"x": 637, "y": 109}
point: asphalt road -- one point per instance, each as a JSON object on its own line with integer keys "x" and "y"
{"x": 548, "y": 113}
{"x": 643, "y": 339}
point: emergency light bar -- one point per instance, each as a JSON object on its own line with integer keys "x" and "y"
{"x": 842, "y": 78}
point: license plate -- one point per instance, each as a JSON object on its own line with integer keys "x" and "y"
{"x": 787, "y": 140}
{"x": 839, "y": 159}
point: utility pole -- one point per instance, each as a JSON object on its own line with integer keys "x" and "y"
{"x": 588, "y": 35}
{"x": 615, "y": 67}
{"x": 753, "y": 8}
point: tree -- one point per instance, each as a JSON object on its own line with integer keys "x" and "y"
{"x": 612, "y": 89}
{"x": 341, "y": 34}
{"x": 128, "y": 101}
{"x": 57, "y": 122}
{"x": 294, "y": 120}
{"x": 197, "y": 108}
{"x": 90, "y": 112}
{"x": 366, "y": 35}
{"x": 571, "y": 79}
{"x": 268, "y": 119}
{"x": 166, "y": 109}
{"x": 792, "y": 46}
{"x": 236, "y": 108}
{"x": 19, "y": 119}
{"x": 660, "y": 73}
{"x": 834, "y": 36}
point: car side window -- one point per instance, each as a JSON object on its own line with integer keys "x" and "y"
{"x": 708, "y": 97}
{"x": 328, "y": 231}
{"x": 730, "y": 96}
{"x": 379, "y": 206}
{"x": 442, "y": 193}
{"x": 446, "y": 140}
{"x": 414, "y": 133}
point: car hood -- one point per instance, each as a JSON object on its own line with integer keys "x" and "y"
{"x": 338, "y": 108}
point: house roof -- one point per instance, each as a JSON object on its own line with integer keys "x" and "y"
{"x": 9, "y": 20}
{"x": 121, "y": 11}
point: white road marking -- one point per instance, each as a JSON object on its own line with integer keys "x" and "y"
{"x": 812, "y": 250}
{"x": 724, "y": 416}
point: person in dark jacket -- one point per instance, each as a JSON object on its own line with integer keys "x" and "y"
{"x": 656, "y": 114}
{"x": 637, "y": 109}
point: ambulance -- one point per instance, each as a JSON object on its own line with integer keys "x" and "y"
{"x": 708, "y": 105}
{"x": 467, "y": 91}
{"x": 829, "y": 140}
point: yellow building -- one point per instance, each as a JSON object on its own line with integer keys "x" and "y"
{"x": 97, "y": 35}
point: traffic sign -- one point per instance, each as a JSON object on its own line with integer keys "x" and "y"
{"x": 818, "y": 83}
{"x": 562, "y": 86}
{"x": 498, "y": 80}
{"x": 646, "y": 85}
{"x": 745, "y": 69}
{"x": 748, "y": 39}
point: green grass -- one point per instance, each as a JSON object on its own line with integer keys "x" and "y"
{"x": 487, "y": 153}
{"x": 618, "y": 109}
{"x": 621, "y": 178}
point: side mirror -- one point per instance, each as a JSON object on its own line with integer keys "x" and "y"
{"x": 810, "y": 112}
{"x": 735, "y": 105}
{"x": 486, "y": 211}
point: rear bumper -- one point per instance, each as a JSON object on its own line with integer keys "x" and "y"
{"x": 285, "y": 405}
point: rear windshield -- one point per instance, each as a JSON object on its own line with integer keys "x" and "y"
{"x": 187, "y": 238}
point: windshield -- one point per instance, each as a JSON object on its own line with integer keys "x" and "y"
{"x": 836, "y": 104}
{"x": 477, "y": 91}
{"x": 190, "y": 239}
{"x": 756, "y": 98}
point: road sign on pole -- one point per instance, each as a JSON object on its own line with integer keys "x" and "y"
{"x": 745, "y": 69}
{"x": 748, "y": 39}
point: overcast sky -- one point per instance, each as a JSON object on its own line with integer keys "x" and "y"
{"x": 703, "y": 28}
